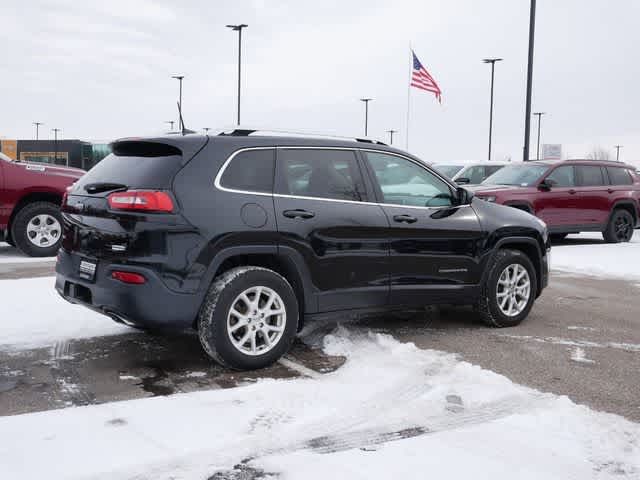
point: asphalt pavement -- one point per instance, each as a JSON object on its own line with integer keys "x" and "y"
{"x": 582, "y": 339}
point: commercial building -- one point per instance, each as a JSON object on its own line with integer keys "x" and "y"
{"x": 74, "y": 153}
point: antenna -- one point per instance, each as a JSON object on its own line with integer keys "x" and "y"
{"x": 184, "y": 130}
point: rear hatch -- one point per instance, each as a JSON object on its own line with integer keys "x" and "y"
{"x": 124, "y": 207}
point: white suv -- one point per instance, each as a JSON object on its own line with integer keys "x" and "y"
{"x": 469, "y": 173}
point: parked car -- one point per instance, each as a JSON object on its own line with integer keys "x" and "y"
{"x": 244, "y": 237}
{"x": 30, "y": 198}
{"x": 571, "y": 196}
{"x": 469, "y": 173}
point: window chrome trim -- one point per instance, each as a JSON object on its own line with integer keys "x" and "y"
{"x": 335, "y": 200}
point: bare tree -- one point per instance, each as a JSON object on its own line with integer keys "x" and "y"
{"x": 599, "y": 153}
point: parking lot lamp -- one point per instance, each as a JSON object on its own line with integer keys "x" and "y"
{"x": 238, "y": 28}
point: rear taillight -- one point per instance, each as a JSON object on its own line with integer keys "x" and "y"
{"x": 141, "y": 200}
{"x": 128, "y": 277}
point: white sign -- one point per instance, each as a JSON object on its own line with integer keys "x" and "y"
{"x": 552, "y": 151}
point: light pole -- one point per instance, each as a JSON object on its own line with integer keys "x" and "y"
{"x": 366, "y": 114}
{"x": 37, "y": 124}
{"x": 238, "y": 28}
{"x": 170, "y": 122}
{"x": 180, "y": 125}
{"x": 618, "y": 147}
{"x": 55, "y": 143}
{"x": 492, "y": 61}
{"x": 527, "y": 114}
{"x": 539, "y": 114}
{"x": 391, "y": 132}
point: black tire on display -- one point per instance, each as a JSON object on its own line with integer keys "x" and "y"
{"x": 37, "y": 229}
{"x": 249, "y": 318}
{"x": 496, "y": 287}
{"x": 620, "y": 227}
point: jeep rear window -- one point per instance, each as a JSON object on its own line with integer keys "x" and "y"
{"x": 250, "y": 171}
{"x": 136, "y": 165}
{"x": 517, "y": 175}
{"x": 619, "y": 176}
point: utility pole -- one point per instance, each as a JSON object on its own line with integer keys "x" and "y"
{"x": 238, "y": 28}
{"x": 618, "y": 147}
{"x": 366, "y": 114}
{"x": 391, "y": 132}
{"x": 180, "y": 125}
{"x": 170, "y": 122}
{"x": 37, "y": 124}
{"x": 55, "y": 143}
{"x": 492, "y": 61}
{"x": 539, "y": 115}
{"x": 527, "y": 115}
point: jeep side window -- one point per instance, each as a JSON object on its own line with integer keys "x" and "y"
{"x": 251, "y": 171}
{"x": 590, "y": 175}
{"x": 563, "y": 177}
{"x": 619, "y": 176}
{"x": 319, "y": 173}
{"x": 404, "y": 183}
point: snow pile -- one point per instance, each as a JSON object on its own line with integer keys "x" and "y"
{"x": 34, "y": 315}
{"x": 589, "y": 254}
{"x": 9, "y": 254}
{"x": 392, "y": 411}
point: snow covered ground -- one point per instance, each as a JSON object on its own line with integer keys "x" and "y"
{"x": 587, "y": 253}
{"x": 392, "y": 411}
{"x": 9, "y": 254}
{"x": 34, "y": 315}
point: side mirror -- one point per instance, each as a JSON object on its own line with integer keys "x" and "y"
{"x": 464, "y": 196}
{"x": 546, "y": 185}
{"x": 462, "y": 181}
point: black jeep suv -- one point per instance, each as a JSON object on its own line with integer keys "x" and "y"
{"x": 243, "y": 236}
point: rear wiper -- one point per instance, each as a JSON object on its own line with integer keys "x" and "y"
{"x": 99, "y": 187}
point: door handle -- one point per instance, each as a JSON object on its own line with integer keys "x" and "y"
{"x": 404, "y": 219}
{"x": 610, "y": 190}
{"x": 298, "y": 213}
{"x": 572, "y": 191}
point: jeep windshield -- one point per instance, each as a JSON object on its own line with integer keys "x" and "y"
{"x": 516, "y": 175}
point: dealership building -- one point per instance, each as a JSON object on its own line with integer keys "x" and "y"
{"x": 74, "y": 153}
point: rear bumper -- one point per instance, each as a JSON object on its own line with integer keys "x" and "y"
{"x": 149, "y": 305}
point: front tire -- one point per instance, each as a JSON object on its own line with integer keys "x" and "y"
{"x": 37, "y": 229}
{"x": 620, "y": 227}
{"x": 510, "y": 290}
{"x": 249, "y": 318}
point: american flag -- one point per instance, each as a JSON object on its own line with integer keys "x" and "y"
{"x": 421, "y": 79}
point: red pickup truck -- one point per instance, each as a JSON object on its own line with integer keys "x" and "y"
{"x": 30, "y": 198}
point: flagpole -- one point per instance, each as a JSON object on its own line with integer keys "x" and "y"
{"x": 406, "y": 146}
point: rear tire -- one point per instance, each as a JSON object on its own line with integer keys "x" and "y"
{"x": 249, "y": 318}
{"x": 620, "y": 227}
{"x": 37, "y": 229}
{"x": 499, "y": 292}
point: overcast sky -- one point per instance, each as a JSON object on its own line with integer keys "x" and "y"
{"x": 101, "y": 70}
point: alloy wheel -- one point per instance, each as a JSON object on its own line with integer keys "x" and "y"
{"x": 513, "y": 290}
{"x": 43, "y": 230}
{"x": 622, "y": 228}
{"x": 256, "y": 320}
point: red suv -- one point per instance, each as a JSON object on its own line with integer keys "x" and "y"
{"x": 571, "y": 196}
{"x": 30, "y": 198}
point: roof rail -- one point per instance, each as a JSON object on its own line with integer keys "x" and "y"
{"x": 242, "y": 131}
